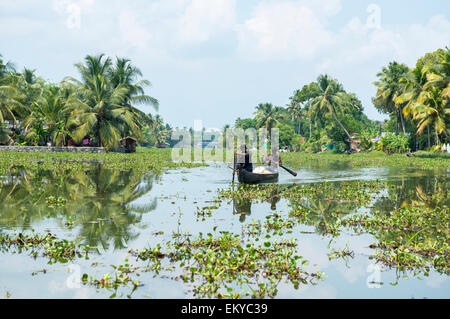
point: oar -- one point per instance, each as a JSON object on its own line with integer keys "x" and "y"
{"x": 289, "y": 171}
{"x": 234, "y": 166}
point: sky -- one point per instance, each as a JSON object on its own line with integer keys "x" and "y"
{"x": 216, "y": 60}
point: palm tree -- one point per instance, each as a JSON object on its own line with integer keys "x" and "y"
{"x": 331, "y": 97}
{"x": 438, "y": 74}
{"x": 8, "y": 93}
{"x": 9, "y": 104}
{"x": 426, "y": 91}
{"x": 103, "y": 108}
{"x": 432, "y": 110}
{"x": 267, "y": 116}
{"x": 296, "y": 111}
{"x": 124, "y": 74}
{"x": 413, "y": 88}
{"x": 300, "y": 102}
{"x": 5, "y": 68}
{"x": 389, "y": 88}
{"x": 53, "y": 110}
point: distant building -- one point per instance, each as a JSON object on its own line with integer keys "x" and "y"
{"x": 126, "y": 145}
{"x": 162, "y": 145}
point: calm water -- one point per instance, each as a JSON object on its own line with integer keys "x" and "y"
{"x": 116, "y": 211}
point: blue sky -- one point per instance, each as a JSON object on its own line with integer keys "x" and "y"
{"x": 215, "y": 60}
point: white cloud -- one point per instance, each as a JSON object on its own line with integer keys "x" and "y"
{"x": 72, "y": 11}
{"x": 300, "y": 30}
{"x": 61, "y": 5}
{"x": 166, "y": 26}
{"x": 202, "y": 19}
{"x": 284, "y": 29}
{"x": 131, "y": 31}
{"x": 357, "y": 44}
{"x": 324, "y": 7}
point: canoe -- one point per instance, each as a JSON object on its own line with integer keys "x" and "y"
{"x": 247, "y": 177}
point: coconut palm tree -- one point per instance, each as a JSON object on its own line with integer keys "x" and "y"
{"x": 9, "y": 103}
{"x": 330, "y": 98}
{"x": 426, "y": 93}
{"x": 432, "y": 110}
{"x": 124, "y": 74}
{"x": 413, "y": 88}
{"x": 102, "y": 109}
{"x": 438, "y": 74}
{"x": 5, "y": 68}
{"x": 296, "y": 111}
{"x": 8, "y": 93}
{"x": 53, "y": 110}
{"x": 267, "y": 116}
{"x": 389, "y": 88}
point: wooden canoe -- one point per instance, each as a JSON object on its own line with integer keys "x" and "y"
{"x": 247, "y": 177}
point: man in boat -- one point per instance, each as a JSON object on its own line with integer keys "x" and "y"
{"x": 244, "y": 159}
{"x": 272, "y": 162}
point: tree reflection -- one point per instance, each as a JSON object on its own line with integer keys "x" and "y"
{"x": 431, "y": 191}
{"x": 100, "y": 202}
{"x": 321, "y": 213}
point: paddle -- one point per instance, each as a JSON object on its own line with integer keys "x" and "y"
{"x": 289, "y": 171}
{"x": 234, "y": 166}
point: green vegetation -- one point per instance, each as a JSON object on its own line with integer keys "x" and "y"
{"x": 55, "y": 250}
{"x": 422, "y": 160}
{"x": 221, "y": 267}
{"x": 417, "y": 100}
{"x": 409, "y": 224}
{"x": 323, "y": 115}
{"x": 412, "y": 230}
{"x": 96, "y": 194}
{"x": 97, "y": 110}
{"x": 144, "y": 160}
{"x": 410, "y": 238}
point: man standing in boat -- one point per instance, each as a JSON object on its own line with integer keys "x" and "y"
{"x": 244, "y": 159}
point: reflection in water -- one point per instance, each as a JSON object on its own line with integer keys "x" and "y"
{"x": 99, "y": 201}
{"x": 321, "y": 213}
{"x": 243, "y": 206}
{"x": 414, "y": 190}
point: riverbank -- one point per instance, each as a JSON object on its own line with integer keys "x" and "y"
{"x": 145, "y": 159}
{"x": 420, "y": 160}
{"x": 156, "y": 160}
{"x": 46, "y": 149}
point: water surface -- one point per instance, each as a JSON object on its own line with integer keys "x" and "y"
{"x": 117, "y": 210}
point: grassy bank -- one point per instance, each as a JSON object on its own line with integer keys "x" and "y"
{"x": 421, "y": 160}
{"x": 156, "y": 160}
{"x": 145, "y": 160}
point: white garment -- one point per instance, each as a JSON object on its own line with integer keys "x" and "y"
{"x": 264, "y": 170}
{"x": 273, "y": 159}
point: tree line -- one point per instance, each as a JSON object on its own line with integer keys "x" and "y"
{"x": 99, "y": 109}
{"x": 322, "y": 113}
{"x": 417, "y": 99}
